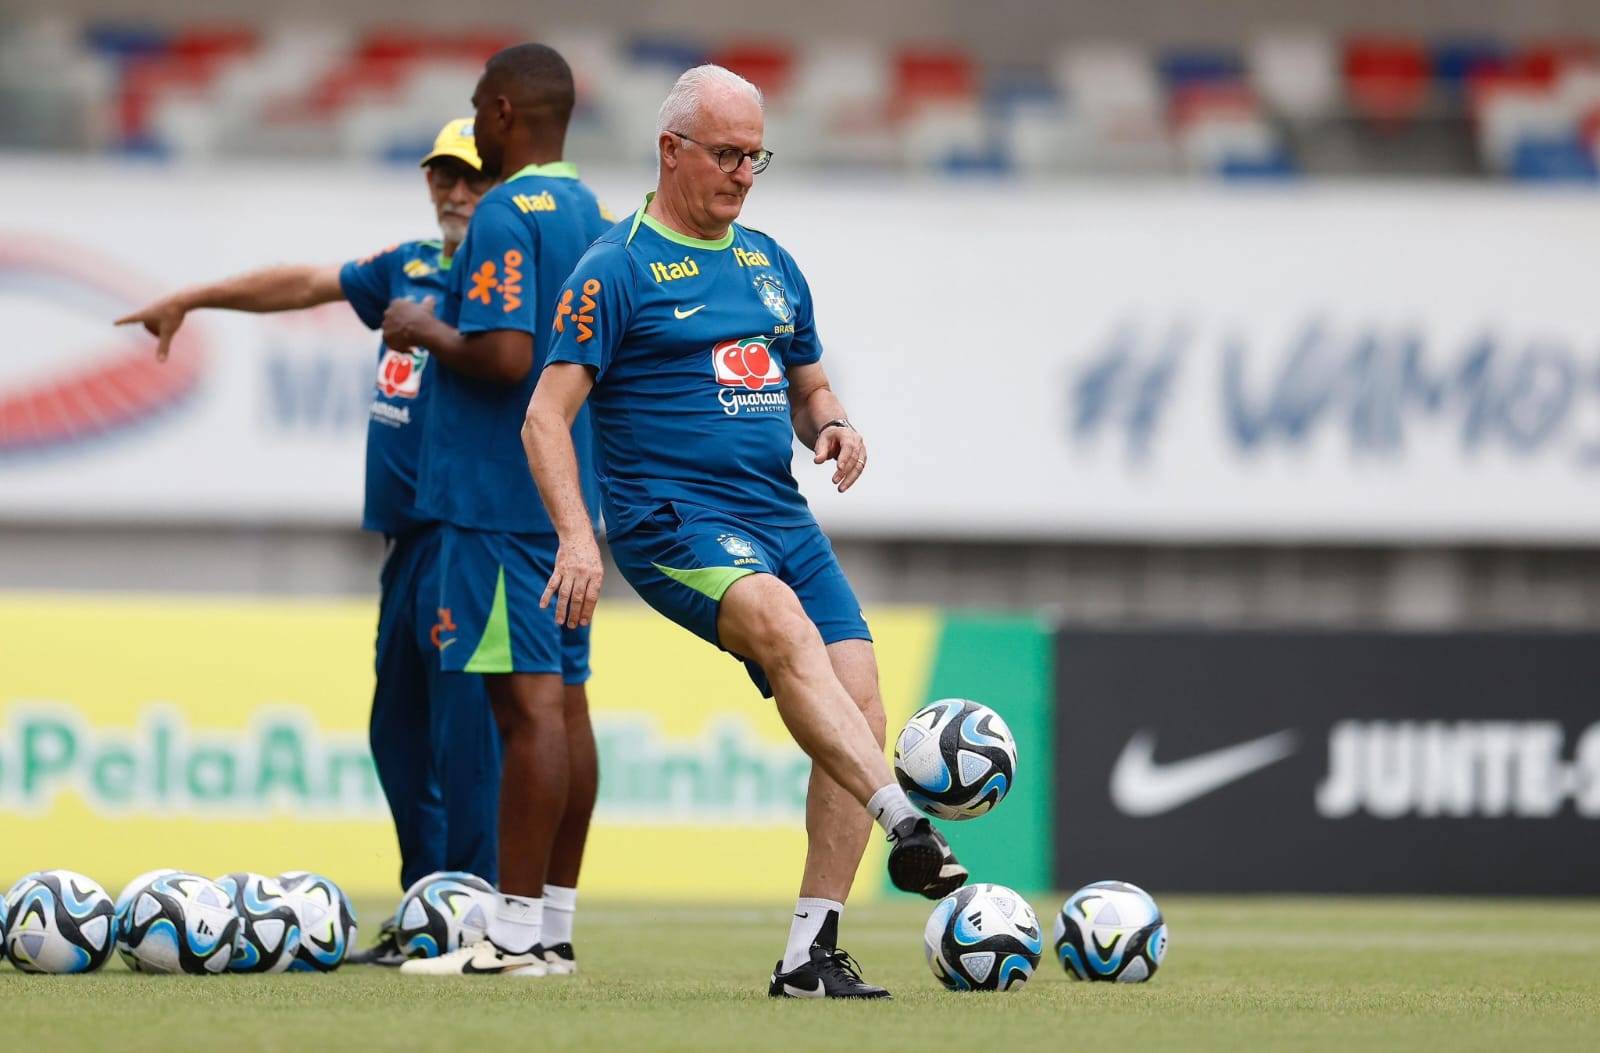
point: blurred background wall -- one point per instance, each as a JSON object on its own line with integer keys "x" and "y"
{"x": 1269, "y": 102}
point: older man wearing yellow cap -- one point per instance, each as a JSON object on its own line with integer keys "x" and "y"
{"x": 433, "y": 737}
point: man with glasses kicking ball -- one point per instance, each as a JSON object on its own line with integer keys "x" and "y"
{"x": 692, "y": 340}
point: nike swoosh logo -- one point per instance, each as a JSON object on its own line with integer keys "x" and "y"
{"x": 1140, "y": 786}
{"x": 446, "y": 643}
{"x": 803, "y": 992}
{"x": 680, "y": 314}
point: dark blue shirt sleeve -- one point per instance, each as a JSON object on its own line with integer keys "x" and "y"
{"x": 494, "y": 272}
{"x": 594, "y": 309}
{"x": 368, "y": 284}
{"x": 805, "y": 347}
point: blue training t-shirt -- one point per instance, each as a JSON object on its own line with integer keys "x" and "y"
{"x": 691, "y": 342}
{"x": 525, "y": 237}
{"x": 413, "y": 271}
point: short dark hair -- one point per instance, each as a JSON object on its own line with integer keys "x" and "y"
{"x": 536, "y": 79}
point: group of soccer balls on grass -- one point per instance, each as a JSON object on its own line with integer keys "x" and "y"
{"x": 171, "y": 921}
{"x": 956, "y": 759}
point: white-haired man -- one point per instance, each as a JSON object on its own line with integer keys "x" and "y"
{"x": 433, "y": 740}
{"x": 692, "y": 340}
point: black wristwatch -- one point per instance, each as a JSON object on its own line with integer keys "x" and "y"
{"x": 837, "y": 422}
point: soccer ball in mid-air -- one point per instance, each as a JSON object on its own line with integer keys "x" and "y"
{"x": 327, "y": 921}
{"x": 442, "y": 912}
{"x": 1111, "y": 930}
{"x": 178, "y": 923}
{"x": 58, "y": 921}
{"x": 983, "y": 938}
{"x": 269, "y": 925}
{"x": 955, "y": 759}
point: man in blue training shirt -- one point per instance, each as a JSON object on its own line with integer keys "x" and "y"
{"x": 692, "y": 340}
{"x": 499, "y": 545}
{"x": 433, "y": 739}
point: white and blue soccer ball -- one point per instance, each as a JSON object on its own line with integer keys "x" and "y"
{"x": 443, "y": 912}
{"x": 177, "y": 922}
{"x": 327, "y": 921}
{"x": 269, "y": 925}
{"x": 132, "y": 888}
{"x": 58, "y": 921}
{"x": 983, "y": 938}
{"x": 1111, "y": 930}
{"x": 955, "y": 759}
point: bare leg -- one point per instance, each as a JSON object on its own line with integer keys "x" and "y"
{"x": 837, "y": 828}
{"x": 760, "y": 617}
{"x": 583, "y": 765}
{"x": 529, "y": 710}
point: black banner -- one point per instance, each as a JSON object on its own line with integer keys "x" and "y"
{"x": 1211, "y": 761}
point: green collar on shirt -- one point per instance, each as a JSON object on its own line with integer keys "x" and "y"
{"x": 672, "y": 235}
{"x": 553, "y": 170}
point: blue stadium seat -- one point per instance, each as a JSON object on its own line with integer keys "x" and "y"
{"x": 1558, "y": 160}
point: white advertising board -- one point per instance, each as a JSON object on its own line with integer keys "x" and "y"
{"x": 1399, "y": 362}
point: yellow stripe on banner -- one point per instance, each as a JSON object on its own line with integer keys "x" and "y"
{"x": 207, "y": 735}
{"x": 215, "y": 736}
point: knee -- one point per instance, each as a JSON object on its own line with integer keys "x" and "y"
{"x": 773, "y": 628}
{"x": 528, "y": 709}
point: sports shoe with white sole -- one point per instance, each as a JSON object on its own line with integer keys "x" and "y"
{"x": 920, "y": 860}
{"x": 831, "y": 973}
{"x": 560, "y": 960}
{"x": 479, "y": 959}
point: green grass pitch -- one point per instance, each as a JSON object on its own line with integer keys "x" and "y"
{"x": 1243, "y": 973}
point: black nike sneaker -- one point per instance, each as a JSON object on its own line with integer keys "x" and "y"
{"x": 920, "y": 860}
{"x": 385, "y": 952}
{"x": 831, "y": 973}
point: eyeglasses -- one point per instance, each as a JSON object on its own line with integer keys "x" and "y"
{"x": 445, "y": 177}
{"x": 729, "y": 158}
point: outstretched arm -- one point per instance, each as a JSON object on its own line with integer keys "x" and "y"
{"x": 286, "y": 288}
{"x": 547, "y": 438}
{"x": 812, "y": 406}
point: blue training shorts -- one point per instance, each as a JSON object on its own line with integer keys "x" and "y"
{"x": 489, "y": 615}
{"x": 682, "y": 558}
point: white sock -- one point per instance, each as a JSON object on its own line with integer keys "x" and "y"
{"x": 809, "y": 916}
{"x": 890, "y": 807}
{"x": 515, "y": 925}
{"x": 559, "y": 906}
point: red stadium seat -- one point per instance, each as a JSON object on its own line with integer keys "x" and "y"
{"x": 925, "y": 76}
{"x": 770, "y": 67}
{"x": 191, "y": 60}
{"x": 1387, "y": 79}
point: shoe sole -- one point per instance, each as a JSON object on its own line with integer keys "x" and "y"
{"x": 921, "y": 869}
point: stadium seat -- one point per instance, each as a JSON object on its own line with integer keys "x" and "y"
{"x": 769, "y": 66}
{"x": 1387, "y": 80}
{"x": 1296, "y": 74}
{"x": 1558, "y": 159}
{"x": 1114, "y": 91}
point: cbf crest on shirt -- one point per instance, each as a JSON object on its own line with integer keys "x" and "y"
{"x": 691, "y": 342}
{"x": 413, "y": 270}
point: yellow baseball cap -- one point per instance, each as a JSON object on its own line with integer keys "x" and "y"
{"x": 455, "y": 140}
